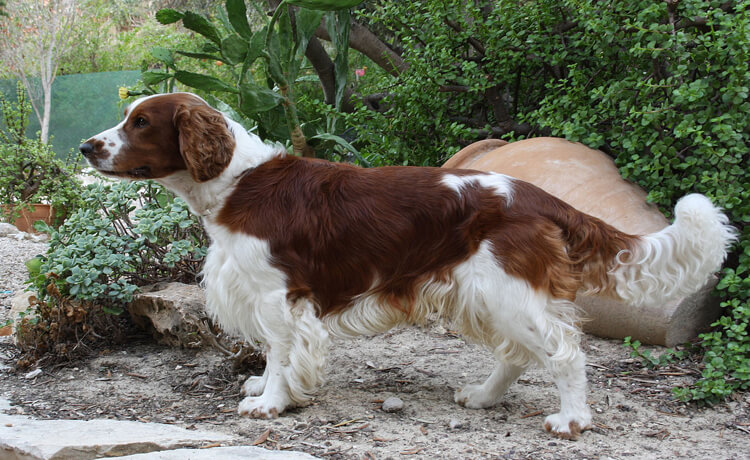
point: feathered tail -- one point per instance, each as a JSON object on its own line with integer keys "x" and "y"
{"x": 677, "y": 260}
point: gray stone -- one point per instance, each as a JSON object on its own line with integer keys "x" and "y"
{"x": 455, "y": 424}
{"x": 392, "y": 404}
{"x": 175, "y": 315}
{"x": 7, "y": 229}
{"x": 222, "y": 453}
{"x": 21, "y": 307}
{"x": 25, "y": 438}
{"x": 589, "y": 180}
{"x": 173, "y": 312}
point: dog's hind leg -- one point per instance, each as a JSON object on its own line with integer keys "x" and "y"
{"x": 295, "y": 358}
{"x": 574, "y": 415}
{"x": 557, "y": 346}
{"x": 487, "y": 394}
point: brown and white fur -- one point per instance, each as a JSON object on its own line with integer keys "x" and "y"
{"x": 302, "y": 250}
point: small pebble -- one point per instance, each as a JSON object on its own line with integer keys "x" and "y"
{"x": 455, "y": 424}
{"x": 392, "y": 404}
{"x": 32, "y": 374}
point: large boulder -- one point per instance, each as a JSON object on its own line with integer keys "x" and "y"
{"x": 589, "y": 180}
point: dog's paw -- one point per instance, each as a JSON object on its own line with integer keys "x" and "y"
{"x": 474, "y": 397}
{"x": 254, "y": 385}
{"x": 261, "y": 407}
{"x": 567, "y": 427}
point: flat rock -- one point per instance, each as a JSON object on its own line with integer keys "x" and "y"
{"x": 173, "y": 312}
{"x": 222, "y": 453}
{"x": 25, "y": 438}
{"x": 7, "y": 229}
{"x": 589, "y": 180}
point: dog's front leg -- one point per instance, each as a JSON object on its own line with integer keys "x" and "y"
{"x": 272, "y": 387}
{"x": 255, "y": 384}
{"x": 295, "y": 357}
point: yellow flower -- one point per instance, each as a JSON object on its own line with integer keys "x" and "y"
{"x": 123, "y": 92}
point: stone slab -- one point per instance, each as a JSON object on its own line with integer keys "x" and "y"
{"x": 223, "y": 453}
{"x": 589, "y": 180}
{"x": 25, "y": 438}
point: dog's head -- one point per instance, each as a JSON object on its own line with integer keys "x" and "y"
{"x": 161, "y": 135}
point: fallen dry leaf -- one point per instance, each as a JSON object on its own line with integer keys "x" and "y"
{"x": 262, "y": 438}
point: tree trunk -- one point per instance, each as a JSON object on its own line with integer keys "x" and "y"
{"x": 364, "y": 41}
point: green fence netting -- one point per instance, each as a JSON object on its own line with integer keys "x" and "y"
{"x": 82, "y": 105}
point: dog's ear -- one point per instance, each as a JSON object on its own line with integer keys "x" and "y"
{"x": 205, "y": 142}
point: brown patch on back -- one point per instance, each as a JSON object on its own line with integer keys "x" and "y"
{"x": 339, "y": 231}
{"x": 582, "y": 248}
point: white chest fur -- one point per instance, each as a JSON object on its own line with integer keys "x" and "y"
{"x": 244, "y": 293}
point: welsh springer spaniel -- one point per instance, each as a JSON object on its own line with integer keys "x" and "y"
{"x": 303, "y": 249}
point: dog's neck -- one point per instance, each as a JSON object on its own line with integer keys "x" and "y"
{"x": 205, "y": 199}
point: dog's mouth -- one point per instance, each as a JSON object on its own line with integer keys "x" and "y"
{"x": 141, "y": 172}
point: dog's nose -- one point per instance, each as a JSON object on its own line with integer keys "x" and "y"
{"x": 86, "y": 149}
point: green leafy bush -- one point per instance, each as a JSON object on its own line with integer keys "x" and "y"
{"x": 126, "y": 234}
{"x": 660, "y": 86}
{"x": 29, "y": 171}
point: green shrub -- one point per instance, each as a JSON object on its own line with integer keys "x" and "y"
{"x": 660, "y": 86}
{"x": 127, "y": 234}
{"x": 29, "y": 171}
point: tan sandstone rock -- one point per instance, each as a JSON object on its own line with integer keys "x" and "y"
{"x": 588, "y": 179}
{"x": 175, "y": 315}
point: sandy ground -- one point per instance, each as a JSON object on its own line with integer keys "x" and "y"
{"x": 635, "y": 415}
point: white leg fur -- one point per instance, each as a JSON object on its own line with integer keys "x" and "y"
{"x": 574, "y": 415}
{"x": 491, "y": 391}
{"x": 294, "y": 367}
{"x": 253, "y": 303}
{"x": 526, "y": 327}
{"x": 275, "y": 397}
{"x": 254, "y": 385}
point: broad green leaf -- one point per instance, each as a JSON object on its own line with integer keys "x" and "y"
{"x": 337, "y": 23}
{"x": 200, "y": 55}
{"x": 255, "y": 99}
{"x": 152, "y": 77}
{"x": 343, "y": 143}
{"x": 204, "y": 82}
{"x": 168, "y": 16}
{"x": 307, "y": 22}
{"x": 163, "y": 54}
{"x": 256, "y": 47}
{"x": 273, "y": 48}
{"x": 234, "y": 48}
{"x": 237, "y": 13}
{"x": 198, "y": 23}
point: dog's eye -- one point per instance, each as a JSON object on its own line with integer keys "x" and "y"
{"x": 140, "y": 122}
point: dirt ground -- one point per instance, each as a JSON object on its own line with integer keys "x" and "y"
{"x": 634, "y": 413}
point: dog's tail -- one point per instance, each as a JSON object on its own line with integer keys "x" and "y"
{"x": 650, "y": 269}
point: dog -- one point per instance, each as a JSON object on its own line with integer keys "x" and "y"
{"x": 305, "y": 249}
